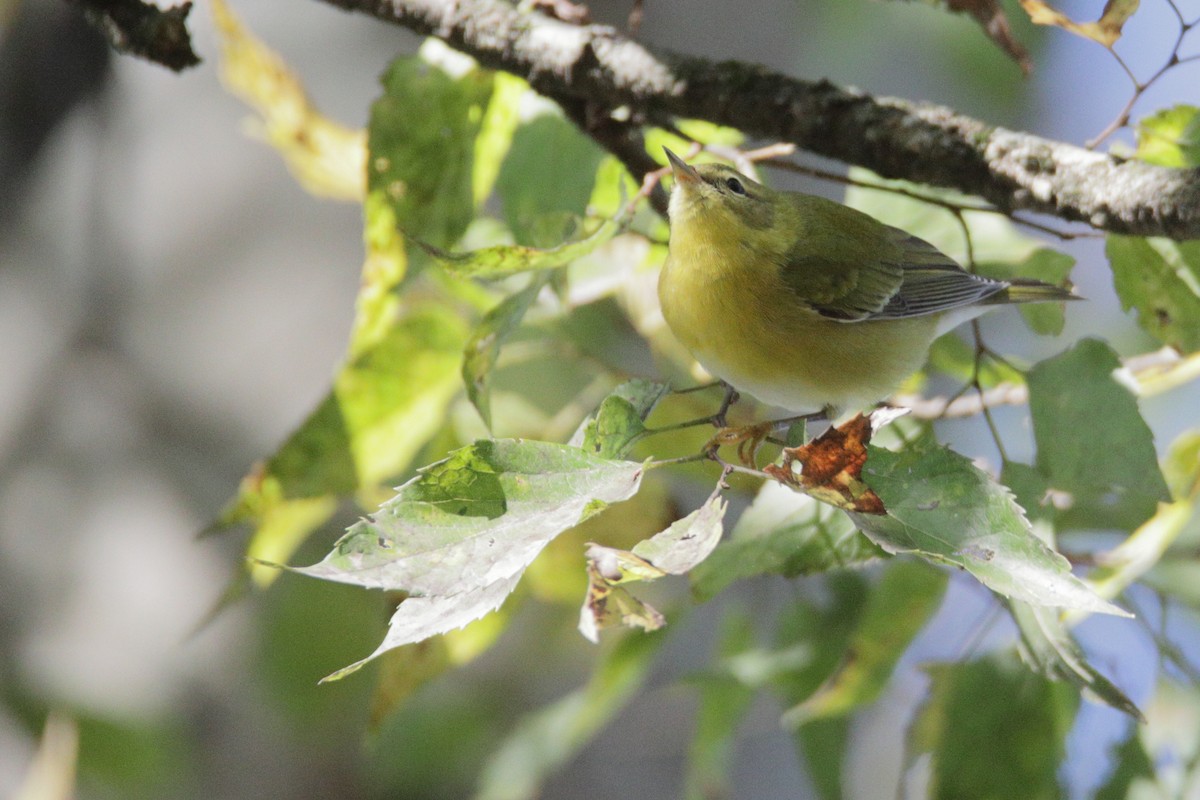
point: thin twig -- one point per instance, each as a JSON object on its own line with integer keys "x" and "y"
{"x": 950, "y": 205}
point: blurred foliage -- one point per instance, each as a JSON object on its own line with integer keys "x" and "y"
{"x": 507, "y": 370}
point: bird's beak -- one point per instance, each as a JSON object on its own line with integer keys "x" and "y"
{"x": 684, "y": 174}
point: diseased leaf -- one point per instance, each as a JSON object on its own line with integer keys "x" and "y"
{"x": 1023, "y": 718}
{"x": 1105, "y": 30}
{"x": 610, "y": 605}
{"x": 483, "y": 348}
{"x": 675, "y": 551}
{"x": 620, "y": 420}
{"x": 787, "y": 533}
{"x": 1092, "y": 444}
{"x": 948, "y": 511}
{"x": 422, "y": 143}
{"x": 326, "y": 158}
{"x": 547, "y": 739}
{"x": 1048, "y": 647}
{"x": 458, "y": 536}
{"x": 1171, "y": 137}
{"x": 503, "y": 260}
{"x": 1161, "y": 279}
{"x": 901, "y": 603}
{"x": 830, "y": 466}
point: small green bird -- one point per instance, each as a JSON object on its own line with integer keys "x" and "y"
{"x": 805, "y": 303}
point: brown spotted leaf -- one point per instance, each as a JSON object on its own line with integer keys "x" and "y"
{"x": 830, "y": 466}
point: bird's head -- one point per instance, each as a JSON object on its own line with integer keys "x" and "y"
{"x": 718, "y": 195}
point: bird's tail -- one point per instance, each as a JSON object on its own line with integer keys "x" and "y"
{"x": 1027, "y": 290}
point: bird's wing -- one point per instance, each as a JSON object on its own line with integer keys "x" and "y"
{"x": 933, "y": 282}
{"x": 878, "y": 272}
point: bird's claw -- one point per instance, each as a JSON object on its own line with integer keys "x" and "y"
{"x": 748, "y": 438}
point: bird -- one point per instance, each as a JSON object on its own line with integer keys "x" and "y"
{"x": 805, "y": 303}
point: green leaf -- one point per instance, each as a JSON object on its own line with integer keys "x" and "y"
{"x": 811, "y": 640}
{"x": 496, "y": 131}
{"x": 705, "y": 132}
{"x": 500, "y": 261}
{"x": 899, "y": 606}
{"x": 1048, "y": 647}
{"x": 994, "y": 730}
{"x": 787, "y": 533}
{"x": 1161, "y": 279}
{"x": 824, "y": 743}
{"x": 620, "y": 420}
{"x": 548, "y": 175}
{"x": 1181, "y": 467}
{"x": 547, "y": 739}
{"x": 1120, "y": 567}
{"x": 943, "y": 508}
{"x": 378, "y": 304}
{"x": 723, "y": 701}
{"x": 459, "y": 535}
{"x": 483, "y": 348}
{"x": 1092, "y": 444}
{"x": 422, "y": 144}
{"x": 1132, "y": 765}
{"x": 1171, "y": 137}
{"x": 384, "y": 406}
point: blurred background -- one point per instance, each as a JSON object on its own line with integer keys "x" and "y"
{"x": 173, "y": 304}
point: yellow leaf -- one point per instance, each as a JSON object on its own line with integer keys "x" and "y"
{"x": 327, "y": 158}
{"x": 1105, "y": 30}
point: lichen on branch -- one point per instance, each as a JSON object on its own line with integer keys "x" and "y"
{"x": 1015, "y": 171}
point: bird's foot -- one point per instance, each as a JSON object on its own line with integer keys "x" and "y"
{"x": 748, "y": 438}
{"x": 731, "y": 397}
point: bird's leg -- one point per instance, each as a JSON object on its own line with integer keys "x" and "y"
{"x": 749, "y": 438}
{"x": 731, "y": 397}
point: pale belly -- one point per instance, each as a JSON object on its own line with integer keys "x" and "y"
{"x": 787, "y": 356}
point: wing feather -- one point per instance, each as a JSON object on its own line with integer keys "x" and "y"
{"x": 904, "y": 277}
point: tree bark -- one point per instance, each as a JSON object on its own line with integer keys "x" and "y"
{"x": 593, "y": 70}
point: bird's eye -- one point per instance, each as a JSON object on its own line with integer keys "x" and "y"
{"x": 735, "y": 186}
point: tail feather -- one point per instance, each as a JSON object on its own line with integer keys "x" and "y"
{"x": 1027, "y": 290}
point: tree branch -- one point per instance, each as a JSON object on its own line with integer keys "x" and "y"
{"x": 143, "y": 29}
{"x": 894, "y": 138}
